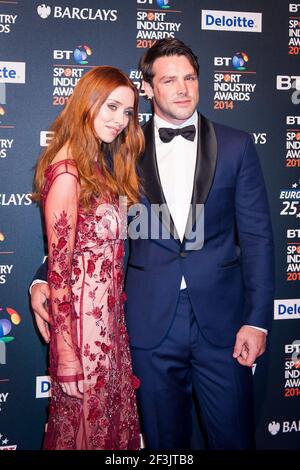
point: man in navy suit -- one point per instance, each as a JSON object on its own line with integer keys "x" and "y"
{"x": 200, "y": 290}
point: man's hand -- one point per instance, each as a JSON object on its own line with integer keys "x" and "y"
{"x": 40, "y": 293}
{"x": 249, "y": 345}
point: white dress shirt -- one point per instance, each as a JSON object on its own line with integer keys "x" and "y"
{"x": 176, "y": 161}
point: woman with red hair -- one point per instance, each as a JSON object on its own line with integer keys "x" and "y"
{"x": 79, "y": 178}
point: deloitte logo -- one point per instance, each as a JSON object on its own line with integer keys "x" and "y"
{"x": 43, "y": 386}
{"x": 287, "y": 309}
{"x": 12, "y": 72}
{"x": 44, "y": 11}
{"x": 231, "y": 21}
{"x": 81, "y": 54}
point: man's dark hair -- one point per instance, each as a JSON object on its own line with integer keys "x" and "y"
{"x": 165, "y": 47}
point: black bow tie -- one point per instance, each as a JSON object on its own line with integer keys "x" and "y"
{"x": 166, "y": 134}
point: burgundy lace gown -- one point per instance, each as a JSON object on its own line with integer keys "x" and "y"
{"x": 88, "y": 334}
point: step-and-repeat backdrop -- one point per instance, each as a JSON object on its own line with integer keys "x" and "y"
{"x": 249, "y": 54}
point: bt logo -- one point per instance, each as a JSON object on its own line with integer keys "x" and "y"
{"x": 293, "y": 120}
{"x": 238, "y": 61}
{"x": 164, "y": 4}
{"x": 294, "y": 7}
{"x": 80, "y": 54}
{"x": 286, "y": 82}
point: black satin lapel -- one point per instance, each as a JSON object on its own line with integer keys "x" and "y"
{"x": 205, "y": 168}
{"x": 151, "y": 185}
{"x": 148, "y": 168}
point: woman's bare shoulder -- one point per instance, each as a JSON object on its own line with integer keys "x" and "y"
{"x": 63, "y": 154}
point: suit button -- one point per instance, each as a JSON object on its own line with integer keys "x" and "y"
{"x": 182, "y": 254}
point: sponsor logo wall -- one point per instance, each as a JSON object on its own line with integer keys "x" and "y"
{"x": 47, "y": 46}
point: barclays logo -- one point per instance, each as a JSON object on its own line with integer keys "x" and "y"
{"x": 231, "y": 21}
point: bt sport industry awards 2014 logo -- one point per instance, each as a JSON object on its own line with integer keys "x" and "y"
{"x": 156, "y": 20}
{"x": 292, "y": 142}
{"x": 67, "y": 74}
{"x": 232, "y": 81}
{"x": 293, "y": 256}
{"x": 294, "y": 29}
{"x": 292, "y": 370}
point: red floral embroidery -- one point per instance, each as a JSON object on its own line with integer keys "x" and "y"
{"x": 94, "y": 415}
{"x": 123, "y": 329}
{"x": 59, "y": 320}
{"x": 104, "y": 422}
{"x": 86, "y": 350}
{"x": 77, "y": 271}
{"x": 111, "y": 302}
{"x": 86, "y": 262}
{"x": 90, "y": 268}
{"x": 136, "y": 382}
{"x": 55, "y": 279}
{"x": 65, "y": 307}
{"x": 61, "y": 243}
{"x": 105, "y": 348}
{"x": 97, "y": 312}
{"x": 106, "y": 268}
{"x": 117, "y": 399}
{"x": 100, "y": 383}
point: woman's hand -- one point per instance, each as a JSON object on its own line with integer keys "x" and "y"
{"x": 73, "y": 389}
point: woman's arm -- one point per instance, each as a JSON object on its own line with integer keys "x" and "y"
{"x": 60, "y": 208}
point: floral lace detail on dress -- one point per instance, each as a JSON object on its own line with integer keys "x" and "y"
{"x": 88, "y": 333}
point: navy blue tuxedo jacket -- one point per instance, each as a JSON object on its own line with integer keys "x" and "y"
{"x": 230, "y": 279}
